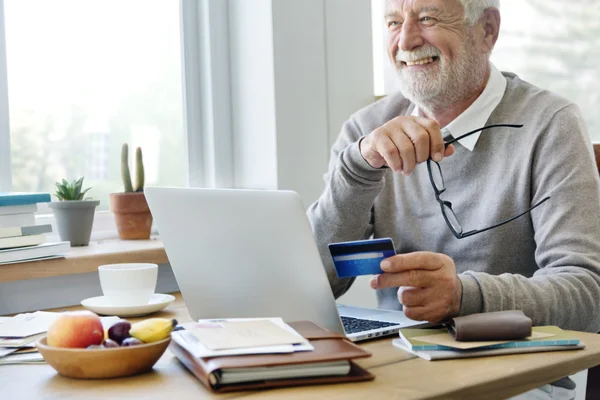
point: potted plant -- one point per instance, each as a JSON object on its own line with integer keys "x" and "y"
{"x": 130, "y": 208}
{"x": 74, "y": 215}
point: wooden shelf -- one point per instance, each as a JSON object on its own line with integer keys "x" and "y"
{"x": 84, "y": 259}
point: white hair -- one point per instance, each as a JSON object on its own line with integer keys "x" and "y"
{"x": 474, "y": 9}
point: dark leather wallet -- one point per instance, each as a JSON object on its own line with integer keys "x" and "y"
{"x": 498, "y": 325}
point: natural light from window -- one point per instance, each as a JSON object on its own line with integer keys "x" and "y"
{"x": 84, "y": 77}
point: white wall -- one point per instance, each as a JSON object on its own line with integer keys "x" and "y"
{"x": 298, "y": 70}
{"x": 349, "y": 50}
{"x": 253, "y": 94}
{"x": 299, "y": 38}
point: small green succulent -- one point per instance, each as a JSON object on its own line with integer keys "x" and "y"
{"x": 70, "y": 190}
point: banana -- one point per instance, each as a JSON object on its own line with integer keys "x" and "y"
{"x": 153, "y": 329}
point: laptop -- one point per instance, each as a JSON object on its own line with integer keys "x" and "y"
{"x": 239, "y": 253}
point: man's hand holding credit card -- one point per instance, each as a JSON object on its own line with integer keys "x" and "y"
{"x": 361, "y": 257}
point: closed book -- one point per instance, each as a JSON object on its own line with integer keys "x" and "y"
{"x": 329, "y": 362}
{"x": 44, "y": 250}
{"x": 434, "y": 355}
{"x": 14, "y": 220}
{"x": 440, "y": 339}
{"x": 21, "y": 198}
{"x": 25, "y": 230}
{"x": 22, "y": 241}
{"x": 20, "y": 209}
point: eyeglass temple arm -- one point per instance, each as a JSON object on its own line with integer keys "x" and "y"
{"x": 479, "y": 130}
{"x": 467, "y": 234}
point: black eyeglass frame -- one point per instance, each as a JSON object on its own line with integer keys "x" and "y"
{"x": 448, "y": 205}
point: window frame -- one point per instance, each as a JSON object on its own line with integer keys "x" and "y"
{"x": 5, "y": 154}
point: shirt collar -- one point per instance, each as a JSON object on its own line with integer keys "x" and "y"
{"x": 479, "y": 112}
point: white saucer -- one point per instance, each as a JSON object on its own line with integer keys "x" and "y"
{"x": 100, "y": 305}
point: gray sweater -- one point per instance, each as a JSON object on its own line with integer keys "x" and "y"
{"x": 546, "y": 263}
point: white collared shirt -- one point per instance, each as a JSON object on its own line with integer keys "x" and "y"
{"x": 479, "y": 112}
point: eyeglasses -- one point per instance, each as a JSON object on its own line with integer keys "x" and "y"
{"x": 437, "y": 181}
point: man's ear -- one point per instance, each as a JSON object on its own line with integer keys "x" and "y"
{"x": 491, "y": 28}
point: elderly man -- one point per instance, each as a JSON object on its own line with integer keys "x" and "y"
{"x": 391, "y": 175}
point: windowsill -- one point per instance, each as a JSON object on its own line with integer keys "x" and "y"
{"x": 84, "y": 259}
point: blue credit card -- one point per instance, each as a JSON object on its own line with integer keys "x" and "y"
{"x": 361, "y": 257}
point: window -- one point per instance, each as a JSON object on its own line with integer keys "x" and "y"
{"x": 551, "y": 43}
{"x": 86, "y": 76}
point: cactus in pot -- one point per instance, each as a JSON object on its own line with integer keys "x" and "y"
{"x": 74, "y": 214}
{"x": 132, "y": 214}
{"x": 139, "y": 170}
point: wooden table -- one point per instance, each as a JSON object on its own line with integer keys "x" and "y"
{"x": 399, "y": 375}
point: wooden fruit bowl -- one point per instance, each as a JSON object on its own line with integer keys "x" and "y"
{"x": 102, "y": 363}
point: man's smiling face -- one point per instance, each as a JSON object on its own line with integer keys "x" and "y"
{"x": 435, "y": 52}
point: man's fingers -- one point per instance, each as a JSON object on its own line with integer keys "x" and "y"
{"x": 413, "y": 296}
{"x": 429, "y": 308}
{"x": 449, "y": 151}
{"x": 414, "y": 277}
{"x": 419, "y": 138}
{"x": 385, "y": 146}
{"x": 404, "y": 142}
{"x": 406, "y": 148}
{"x": 423, "y": 260}
{"x": 436, "y": 141}
{"x": 424, "y": 313}
{"x": 417, "y": 313}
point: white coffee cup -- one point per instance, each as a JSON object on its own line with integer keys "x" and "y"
{"x": 128, "y": 284}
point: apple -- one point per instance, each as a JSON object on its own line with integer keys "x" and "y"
{"x": 76, "y": 329}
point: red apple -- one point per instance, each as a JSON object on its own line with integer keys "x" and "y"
{"x": 77, "y": 329}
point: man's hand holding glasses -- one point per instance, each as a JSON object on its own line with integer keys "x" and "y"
{"x": 404, "y": 142}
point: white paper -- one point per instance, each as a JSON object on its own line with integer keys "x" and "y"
{"x": 27, "y": 324}
{"x": 7, "y": 350}
{"x": 25, "y": 358}
{"x": 28, "y": 341}
{"x": 197, "y": 349}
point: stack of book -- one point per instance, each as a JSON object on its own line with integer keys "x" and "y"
{"x": 20, "y": 238}
{"x": 438, "y": 344}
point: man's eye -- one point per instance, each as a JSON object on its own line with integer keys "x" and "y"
{"x": 392, "y": 24}
{"x": 427, "y": 19}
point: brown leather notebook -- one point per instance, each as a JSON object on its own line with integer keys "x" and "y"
{"x": 329, "y": 346}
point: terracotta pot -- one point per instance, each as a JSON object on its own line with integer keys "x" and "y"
{"x": 132, "y": 215}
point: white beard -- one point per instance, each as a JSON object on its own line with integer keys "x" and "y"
{"x": 445, "y": 84}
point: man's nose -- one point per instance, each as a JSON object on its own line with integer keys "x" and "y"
{"x": 410, "y": 36}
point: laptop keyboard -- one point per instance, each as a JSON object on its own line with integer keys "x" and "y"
{"x": 353, "y": 325}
